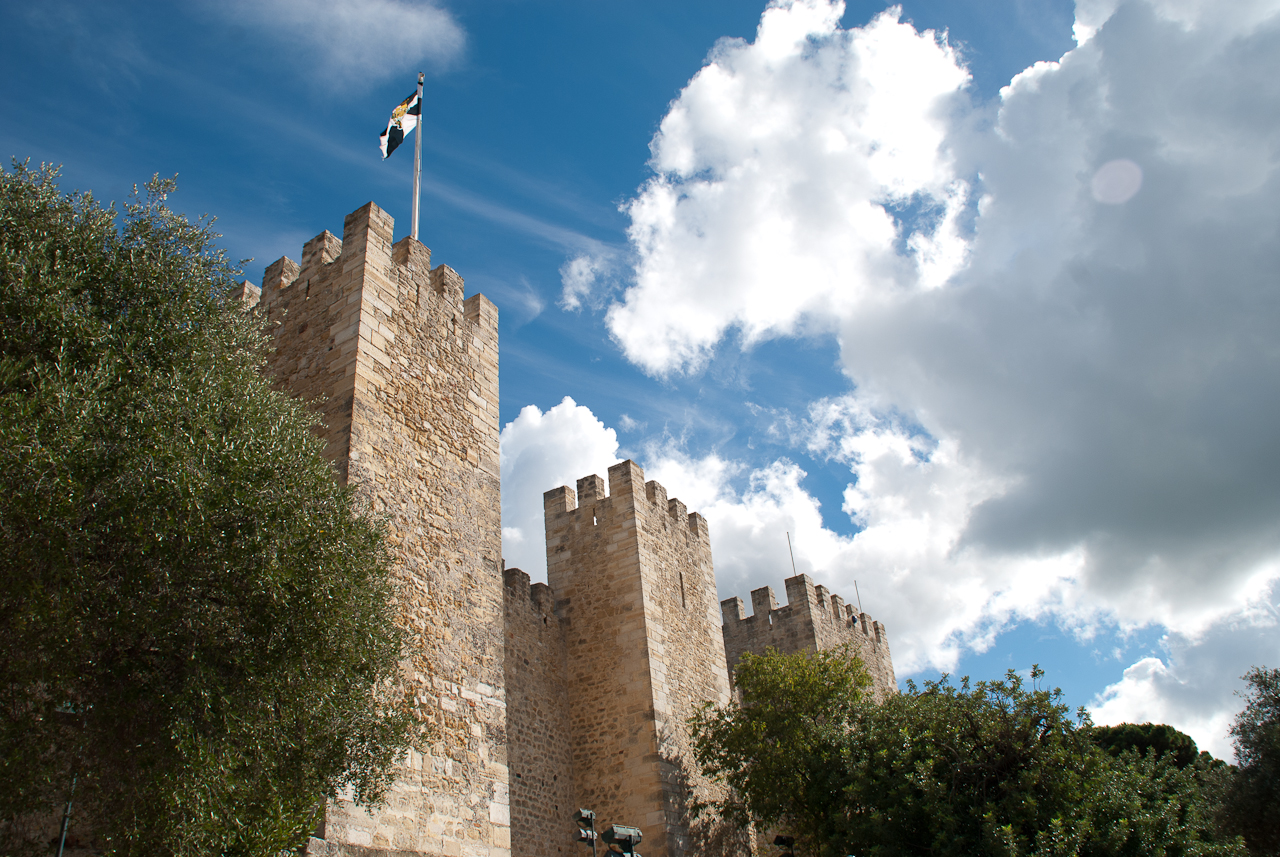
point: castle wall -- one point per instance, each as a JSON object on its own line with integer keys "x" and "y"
{"x": 812, "y": 619}
{"x": 632, "y": 577}
{"x": 404, "y": 374}
{"x": 689, "y": 667}
{"x": 538, "y": 739}
{"x": 534, "y": 700}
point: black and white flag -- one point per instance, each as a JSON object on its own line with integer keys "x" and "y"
{"x": 403, "y": 120}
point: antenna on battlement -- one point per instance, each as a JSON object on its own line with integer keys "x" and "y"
{"x": 793, "y": 554}
{"x": 859, "y": 594}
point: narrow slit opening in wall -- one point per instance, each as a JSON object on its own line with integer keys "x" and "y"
{"x": 593, "y": 519}
{"x": 683, "y": 605}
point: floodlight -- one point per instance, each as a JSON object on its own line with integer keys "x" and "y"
{"x": 626, "y": 838}
{"x": 587, "y": 828}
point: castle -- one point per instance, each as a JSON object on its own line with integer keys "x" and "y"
{"x": 538, "y": 698}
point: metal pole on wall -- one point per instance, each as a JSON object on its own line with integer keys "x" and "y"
{"x": 417, "y": 158}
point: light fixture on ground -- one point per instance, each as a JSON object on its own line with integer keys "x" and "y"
{"x": 587, "y": 828}
{"x": 620, "y": 839}
{"x": 626, "y": 838}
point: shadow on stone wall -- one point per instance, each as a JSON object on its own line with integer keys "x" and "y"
{"x": 698, "y": 828}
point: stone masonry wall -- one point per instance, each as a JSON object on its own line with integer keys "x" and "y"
{"x": 681, "y": 609}
{"x": 404, "y": 374}
{"x": 812, "y": 619}
{"x": 539, "y": 748}
{"x": 632, "y": 577}
{"x": 534, "y": 700}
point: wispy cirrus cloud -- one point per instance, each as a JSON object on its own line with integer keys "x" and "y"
{"x": 357, "y": 39}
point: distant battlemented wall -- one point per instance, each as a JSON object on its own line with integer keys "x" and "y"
{"x": 404, "y": 374}
{"x": 812, "y": 619}
{"x": 632, "y": 578}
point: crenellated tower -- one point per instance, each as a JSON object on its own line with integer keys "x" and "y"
{"x": 404, "y": 374}
{"x": 631, "y": 575}
{"x": 536, "y": 698}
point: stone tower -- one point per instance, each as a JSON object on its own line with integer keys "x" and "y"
{"x": 404, "y": 373}
{"x": 537, "y": 698}
{"x": 632, "y": 582}
{"x": 813, "y": 619}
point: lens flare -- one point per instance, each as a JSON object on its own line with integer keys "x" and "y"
{"x": 1116, "y": 181}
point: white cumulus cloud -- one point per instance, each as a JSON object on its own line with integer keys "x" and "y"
{"x": 912, "y": 501}
{"x": 1069, "y": 292}
{"x": 1195, "y": 687}
{"x": 787, "y": 172}
{"x": 540, "y": 451}
{"x": 1108, "y": 350}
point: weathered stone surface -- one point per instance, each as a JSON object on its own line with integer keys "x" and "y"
{"x": 405, "y": 376}
{"x": 538, "y": 735}
{"x": 632, "y": 579}
{"x": 537, "y": 699}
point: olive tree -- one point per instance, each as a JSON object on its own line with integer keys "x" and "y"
{"x": 196, "y": 622}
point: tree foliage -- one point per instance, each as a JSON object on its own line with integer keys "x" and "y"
{"x": 1158, "y": 739}
{"x": 995, "y": 768}
{"x": 963, "y": 770}
{"x": 195, "y": 619}
{"x": 1255, "y": 796}
{"x": 1147, "y": 805}
{"x": 773, "y": 748}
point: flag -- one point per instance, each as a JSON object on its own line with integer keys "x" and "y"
{"x": 403, "y": 120}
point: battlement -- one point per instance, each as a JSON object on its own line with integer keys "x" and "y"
{"x": 367, "y": 232}
{"x": 631, "y": 572}
{"x": 816, "y": 603}
{"x": 563, "y": 505}
{"x": 363, "y": 320}
{"x": 246, "y": 294}
{"x": 519, "y": 585}
{"x": 813, "y": 619}
{"x": 540, "y": 697}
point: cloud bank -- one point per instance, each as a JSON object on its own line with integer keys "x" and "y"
{"x": 540, "y": 451}
{"x": 783, "y": 172}
{"x": 1070, "y": 293}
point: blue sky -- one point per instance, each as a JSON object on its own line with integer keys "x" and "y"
{"x": 976, "y": 300}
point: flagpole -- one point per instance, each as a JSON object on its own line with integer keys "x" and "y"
{"x": 417, "y": 158}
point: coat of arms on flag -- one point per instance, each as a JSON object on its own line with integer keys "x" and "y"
{"x": 403, "y": 120}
